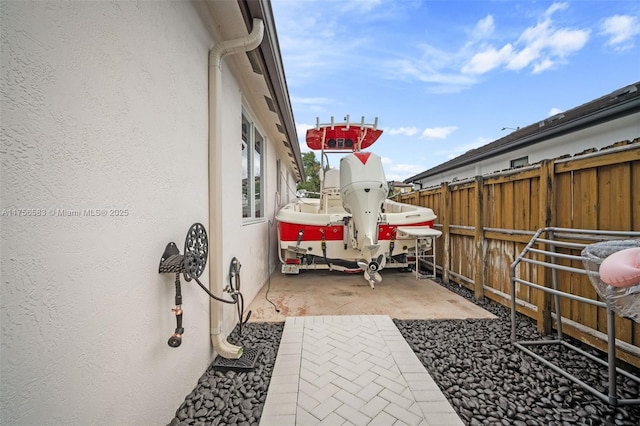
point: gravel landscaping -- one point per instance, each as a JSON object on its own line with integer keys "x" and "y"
{"x": 488, "y": 381}
{"x": 485, "y": 379}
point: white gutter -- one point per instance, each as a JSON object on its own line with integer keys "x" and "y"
{"x": 216, "y": 54}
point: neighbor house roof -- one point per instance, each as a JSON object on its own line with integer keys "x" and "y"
{"x": 398, "y": 184}
{"x": 617, "y": 104}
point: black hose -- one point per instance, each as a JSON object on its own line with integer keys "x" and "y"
{"x": 178, "y": 298}
{"x": 213, "y": 296}
{"x": 176, "y": 338}
{"x": 234, "y": 275}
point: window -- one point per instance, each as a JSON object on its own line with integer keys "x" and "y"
{"x": 519, "y": 162}
{"x": 252, "y": 170}
{"x": 278, "y": 180}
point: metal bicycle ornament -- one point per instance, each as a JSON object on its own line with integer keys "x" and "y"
{"x": 191, "y": 265}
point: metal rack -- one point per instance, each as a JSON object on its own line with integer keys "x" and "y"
{"x": 425, "y": 246}
{"x": 552, "y": 238}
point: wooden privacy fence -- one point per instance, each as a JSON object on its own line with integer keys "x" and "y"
{"x": 488, "y": 220}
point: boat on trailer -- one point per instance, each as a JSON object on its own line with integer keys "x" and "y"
{"x": 352, "y": 226}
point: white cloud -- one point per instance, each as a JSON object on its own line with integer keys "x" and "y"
{"x": 484, "y": 28}
{"x": 554, "y": 111}
{"x": 462, "y": 149}
{"x": 317, "y": 106}
{"x": 621, "y": 30}
{"x": 438, "y": 132}
{"x": 407, "y": 131}
{"x": 313, "y": 38}
{"x": 544, "y": 45}
{"x": 565, "y": 41}
{"x": 386, "y": 160}
{"x": 301, "y": 130}
{"x": 360, "y": 6}
{"x": 539, "y": 47}
{"x": 433, "y": 66}
{"x": 407, "y": 168}
{"x": 555, "y": 7}
{"x": 303, "y": 127}
{"x": 542, "y": 65}
{"x": 487, "y": 60}
{"x": 400, "y": 172}
{"x": 310, "y": 101}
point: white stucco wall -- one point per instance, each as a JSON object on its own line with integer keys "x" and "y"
{"x": 245, "y": 240}
{"x": 600, "y": 136}
{"x": 104, "y": 106}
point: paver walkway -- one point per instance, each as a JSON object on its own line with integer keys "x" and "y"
{"x": 355, "y": 369}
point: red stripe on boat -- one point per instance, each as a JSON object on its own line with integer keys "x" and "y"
{"x": 289, "y": 231}
{"x": 362, "y": 156}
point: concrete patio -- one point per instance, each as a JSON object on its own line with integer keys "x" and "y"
{"x": 400, "y": 295}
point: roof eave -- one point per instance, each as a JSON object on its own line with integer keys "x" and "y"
{"x": 618, "y": 110}
{"x": 271, "y": 61}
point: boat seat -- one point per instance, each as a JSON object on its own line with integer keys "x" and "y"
{"x": 331, "y": 200}
{"x": 392, "y": 207}
{"x": 332, "y": 179}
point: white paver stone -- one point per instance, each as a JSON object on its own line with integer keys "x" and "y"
{"x": 326, "y": 407}
{"x": 349, "y": 399}
{"x": 392, "y": 385}
{"x": 278, "y": 420}
{"x": 375, "y": 406}
{"x": 396, "y": 398}
{"x": 333, "y": 420}
{"x": 351, "y": 370}
{"x": 307, "y": 401}
{"x": 369, "y": 391}
{"x": 383, "y": 419}
{"x": 403, "y": 414}
{"x": 352, "y": 415}
{"x": 303, "y": 418}
{"x": 348, "y": 385}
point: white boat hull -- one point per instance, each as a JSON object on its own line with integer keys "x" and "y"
{"x": 301, "y": 226}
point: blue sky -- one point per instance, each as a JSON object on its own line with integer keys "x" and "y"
{"x": 444, "y": 77}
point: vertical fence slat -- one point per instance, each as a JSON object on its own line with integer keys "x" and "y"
{"x": 446, "y": 246}
{"x": 545, "y": 214}
{"x": 478, "y": 278}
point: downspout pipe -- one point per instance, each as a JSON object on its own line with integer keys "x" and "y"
{"x": 216, "y": 54}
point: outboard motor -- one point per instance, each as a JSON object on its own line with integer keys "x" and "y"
{"x": 364, "y": 188}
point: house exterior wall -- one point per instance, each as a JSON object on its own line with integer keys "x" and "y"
{"x": 246, "y": 240}
{"x": 600, "y": 136}
{"x": 105, "y": 107}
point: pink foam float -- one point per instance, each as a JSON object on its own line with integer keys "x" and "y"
{"x": 622, "y": 268}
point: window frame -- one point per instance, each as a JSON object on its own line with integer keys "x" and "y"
{"x": 255, "y": 196}
{"x": 519, "y": 162}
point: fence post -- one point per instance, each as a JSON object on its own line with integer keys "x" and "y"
{"x": 478, "y": 278}
{"x": 446, "y": 219}
{"x": 546, "y": 210}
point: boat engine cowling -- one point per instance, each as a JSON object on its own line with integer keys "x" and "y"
{"x": 364, "y": 188}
